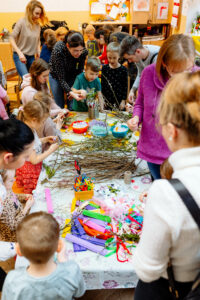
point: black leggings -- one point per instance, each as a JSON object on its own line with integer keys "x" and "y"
{"x": 159, "y": 290}
{"x": 2, "y": 278}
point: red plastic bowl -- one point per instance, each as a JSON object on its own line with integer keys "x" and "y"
{"x": 80, "y": 130}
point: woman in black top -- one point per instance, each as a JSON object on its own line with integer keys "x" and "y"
{"x": 66, "y": 62}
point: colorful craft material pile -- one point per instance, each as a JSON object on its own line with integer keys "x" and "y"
{"x": 105, "y": 227}
{"x": 83, "y": 183}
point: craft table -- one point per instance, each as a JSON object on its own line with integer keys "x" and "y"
{"x": 99, "y": 272}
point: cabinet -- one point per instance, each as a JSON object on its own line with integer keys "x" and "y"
{"x": 137, "y": 18}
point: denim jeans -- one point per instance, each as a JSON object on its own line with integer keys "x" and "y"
{"x": 155, "y": 170}
{"x": 58, "y": 93}
{"x": 22, "y": 68}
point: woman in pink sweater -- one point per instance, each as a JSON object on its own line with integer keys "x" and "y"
{"x": 175, "y": 56}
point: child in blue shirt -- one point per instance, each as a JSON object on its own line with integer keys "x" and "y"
{"x": 85, "y": 82}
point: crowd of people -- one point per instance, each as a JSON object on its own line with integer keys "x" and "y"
{"x": 165, "y": 102}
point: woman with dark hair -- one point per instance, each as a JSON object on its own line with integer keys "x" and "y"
{"x": 66, "y": 62}
{"x": 16, "y": 145}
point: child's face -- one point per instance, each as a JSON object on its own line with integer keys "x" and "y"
{"x": 90, "y": 36}
{"x": 101, "y": 40}
{"x": 90, "y": 75}
{"x": 35, "y": 124}
{"x": 113, "y": 59}
{"x": 60, "y": 37}
{"x": 43, "y": 77}
{"x": 10, "y": 179}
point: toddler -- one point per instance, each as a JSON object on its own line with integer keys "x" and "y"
{"x": 61, "y": 33}
{"x": 92, "y": 44}
{"x": 13, "y": 211}
{"x": 38, "y": 240}
{"x": 102, "y": 36}
{"x": 87, "y": 81}
{"x": 114, "y": 79}
{"x": 34, "y": 114}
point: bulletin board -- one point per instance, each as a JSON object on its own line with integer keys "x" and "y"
{"x": 116, "y": 10}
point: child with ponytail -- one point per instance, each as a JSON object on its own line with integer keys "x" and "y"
{"x": 34, "y": 114}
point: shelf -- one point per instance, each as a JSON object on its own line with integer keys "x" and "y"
{"x": 111, "y": 23}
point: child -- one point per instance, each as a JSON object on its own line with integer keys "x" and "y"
{"x": 3, "y": 101}
{"x": 13, "y": 211}
{"x": 92, "y": 44}
{"x": 38, "y": 240}
{"x": 102, "y": 37}
{"x": 50, "y": 40}
{"x": 114, "y": 78}
{"x": 85, "y": 82}
{"x": 34, "y": 114}
{"x": 61, "y": 33}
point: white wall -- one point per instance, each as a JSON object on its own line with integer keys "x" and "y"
{"x": 193, "y": 11}
{"x": 49, "y": 5}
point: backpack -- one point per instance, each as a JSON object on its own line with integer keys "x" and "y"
{"x": 194, "y": 210}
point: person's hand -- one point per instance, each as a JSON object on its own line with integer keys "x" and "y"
{"x": 22, "y": 58}
{"x": 122, "y": 105}
{"x": 59, "y": 121}
{"x": 131, "y": 96}
{"x": 62, "y": 256}
{"x": 129, "y": 108}
{"x": 133, "y": 123}
{"x": 29, "y": 203}
{"x": 143, "y": 196}
{"x": 51, "y": 139}
{"x": 82, "y": 93}
{"x": 76, "y": 96}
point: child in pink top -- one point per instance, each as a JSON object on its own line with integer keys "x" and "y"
{"x": 3, "y": 101}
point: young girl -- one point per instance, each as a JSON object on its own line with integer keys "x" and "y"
{"x": 13, "y": 211}
{"x": 61, "y": 33}
{"x": 176, "y": 55}
{"x": 50, "y": 40}
{"x": 25, "y": 38}
{"x": 114, "y": 79}
{"x": 102, "y": 37}
{"x": 34, "y": 114}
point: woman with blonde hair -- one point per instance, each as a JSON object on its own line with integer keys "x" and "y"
{"x": 170, "y": 233}
{"x": 25, "y": 38}
{"x": 176, "y": 55}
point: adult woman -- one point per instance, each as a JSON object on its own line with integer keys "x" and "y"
{"x": 25, "y": 38}
{"x": 16, "y": 145}
{"x": 66, "y": 62}
{"x": 169, "y": 231}
{"x": 176, "y": 55}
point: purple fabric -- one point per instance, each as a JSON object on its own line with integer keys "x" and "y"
{"x": 89, "y": 207}
{"x": 151, "y": 146}
{"x": 99, "y": 222}
{"x": 93, "y": 240}
{"x": 79, "y": 227}
{"x": 76, "y": 247}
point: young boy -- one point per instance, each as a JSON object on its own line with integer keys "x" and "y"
{"x": 38, "y": 240}
{"x": 92, "y": 44}
{"x": 85, "y": 82}
{"x": 114, "y": 78}
{"x": 132, "y": 50}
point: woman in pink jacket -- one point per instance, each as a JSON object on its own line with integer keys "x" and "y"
{"x": 175, "y": 56}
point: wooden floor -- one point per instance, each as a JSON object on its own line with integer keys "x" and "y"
{"x": 116, "y": 294}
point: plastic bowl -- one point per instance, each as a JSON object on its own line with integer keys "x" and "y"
{"x": 99, "y": 131}
{"x": 80, "y": 129}
{"x": 119, "y": 134}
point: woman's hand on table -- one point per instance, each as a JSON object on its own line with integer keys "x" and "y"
{"x": 51, "y": 139}
{"x": 133, "y": 123}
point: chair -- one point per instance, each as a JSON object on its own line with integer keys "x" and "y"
{"x": 13, "y": 87}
